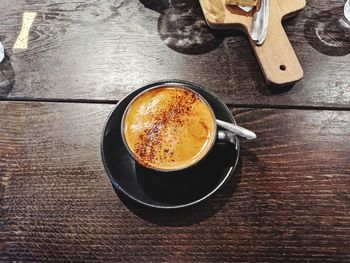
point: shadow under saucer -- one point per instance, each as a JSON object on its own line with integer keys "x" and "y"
{"x": 189, "y": 215}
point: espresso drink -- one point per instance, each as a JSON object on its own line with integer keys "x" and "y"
{"x": 169, "y": 128}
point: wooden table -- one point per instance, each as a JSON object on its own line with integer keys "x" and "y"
{"x": 289, "y": 200}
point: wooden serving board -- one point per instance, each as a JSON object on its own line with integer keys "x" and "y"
{"x": 276, "y": 56}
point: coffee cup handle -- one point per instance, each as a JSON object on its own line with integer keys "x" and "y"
{"x": 227, "y": 137}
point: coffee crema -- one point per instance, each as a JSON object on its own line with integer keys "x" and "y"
{"x": 169, "y": 128}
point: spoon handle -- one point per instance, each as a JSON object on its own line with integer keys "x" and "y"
{"x": 347, "y": 10}
{"x": 237, "y": 130}
{"x": 265, "y": 22}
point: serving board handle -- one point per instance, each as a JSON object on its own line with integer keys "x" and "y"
{"x": 276, "y": 56}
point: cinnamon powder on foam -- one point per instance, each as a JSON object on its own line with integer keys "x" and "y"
{"x": 168, "y": 128}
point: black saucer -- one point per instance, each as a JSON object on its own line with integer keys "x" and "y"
{"x": 167, "y": 191}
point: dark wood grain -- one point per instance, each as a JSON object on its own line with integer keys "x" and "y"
{"x": 289, "y": 200}
{"x": 102, "y": 50}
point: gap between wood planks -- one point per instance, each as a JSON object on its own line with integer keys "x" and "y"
{"x": 230, "y": 105}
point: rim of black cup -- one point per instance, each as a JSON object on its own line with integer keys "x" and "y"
{"x": 190, "y": 165}
{"x": 223, "y": 181}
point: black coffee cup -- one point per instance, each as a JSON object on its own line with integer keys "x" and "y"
{"x": 218, "y": 136}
